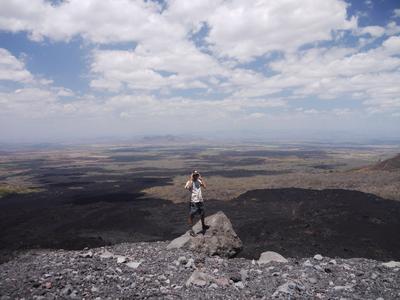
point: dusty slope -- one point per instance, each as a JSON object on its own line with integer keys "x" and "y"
{"x": 45, "y": 274}
{"x": 391, "y": 164}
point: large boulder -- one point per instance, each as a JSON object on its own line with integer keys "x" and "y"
{"x": 219, "y": 239}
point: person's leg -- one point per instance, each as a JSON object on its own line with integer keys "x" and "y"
{"x": 190, "y": 220}
{"x": 202, "y": 221}
{"x": 202, "y": 216}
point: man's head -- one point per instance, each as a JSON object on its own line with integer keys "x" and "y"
{"x": 195, "y": 175}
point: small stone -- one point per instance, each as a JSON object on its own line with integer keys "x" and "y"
{"x": 346, "y": 267}
{"x": 121, "y": 259}
{"x": 222, "y": 281}
{"x": 318, "y": 268}
{"x": 182, "y": 260}
{"x": 391, "y": 264}
{"x": 106, "y": 254}
{"x": 333, "y": 262}
{"x": 312, "y": 280}
{"x": 88, "y": 254}
{"x": 198, "y": 278}
{"x": 177, "y": 287}
{"x": 342, "y": 287}
{"x": 133, "y": 264}
{"x": 239, "y": 285}
{"x": 374, "y": 276}
{"x": 67, "y": 290}
{"x": 318, "y": 257}
{"x": 214, "y": 286}
{"x": 270, "y": 256}
{"x": 244, "y": 274}
{"x": 94, "y": 289}
{"x": 162, "y": 277}
{"x": 287, "y": 288}
{"x": 307, "y": 263}
{"x": 190, "y": 263}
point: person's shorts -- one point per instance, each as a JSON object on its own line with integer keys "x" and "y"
{"x": 196, "y": 208}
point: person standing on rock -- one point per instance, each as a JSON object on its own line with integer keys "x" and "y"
{"x": 194, "y": 185}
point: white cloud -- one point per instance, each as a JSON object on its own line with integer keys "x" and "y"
{"x": 246, "y": 29}
{"x": 331, "y": 73}
{"x": 13, "y": 69}
{"x": 374, "y": 31}
{"x": 176, "y": 66}
{"x": 97, "y": 21}
{"x": 396, "y": 13}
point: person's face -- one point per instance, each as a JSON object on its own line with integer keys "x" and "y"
{"x": 196, "y": 176}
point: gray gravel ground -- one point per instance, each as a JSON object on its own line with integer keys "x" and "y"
{"x": 149, "y": 271}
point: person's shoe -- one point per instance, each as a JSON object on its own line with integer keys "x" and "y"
{"x": 192, "y": 233}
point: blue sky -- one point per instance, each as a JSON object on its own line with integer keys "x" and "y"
{"x": 124, "y": 68}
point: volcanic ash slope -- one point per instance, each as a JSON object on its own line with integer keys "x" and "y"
{"x": 150, "y": 271}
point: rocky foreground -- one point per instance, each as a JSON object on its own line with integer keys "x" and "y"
{"x": 193, "y": 268}
{"x": 150, "y": 271}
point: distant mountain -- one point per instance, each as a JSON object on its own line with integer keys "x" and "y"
{"x": 391, "y": 164}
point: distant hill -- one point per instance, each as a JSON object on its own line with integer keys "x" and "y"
{"x": 391, "y": 164}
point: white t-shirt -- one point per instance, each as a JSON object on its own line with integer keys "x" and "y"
{"x": 195, "y": 189}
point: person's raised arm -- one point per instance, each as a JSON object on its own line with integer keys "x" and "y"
{"x": 188, "y": 185}
{"x": 203, "y": 183}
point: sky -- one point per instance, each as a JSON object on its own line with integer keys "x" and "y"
{"x": 85, "y": 69}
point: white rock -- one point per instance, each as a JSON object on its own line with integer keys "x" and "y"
{"x": 190, "y": 263}
{"x": 214, "y": 285}
{"x": 121, "y": 259}
{"x": 199, "y": 278}
{"x": 106, "y": 254}
{"x": 392, "y": 264}
{"x": 182, "y": 260}
{"x": 318, "y": 257}
{"x": 239, "y": 285}
{"x": 287, "y": 288}
{"x": 133, "y": 264}
{"x": 270, "y": 256}
{"x": 333, "y": 262}
{"x": 244, "y": 274}
{"x": 312, "y": 280}
{"x": 307, "y": 263}
{"x": 162, "y": 277}
{"x": 343, "y": 287}
{"x": 88, "y": 254}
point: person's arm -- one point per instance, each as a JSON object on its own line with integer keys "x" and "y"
{"x": 202, "y": 182}
{"x": 188, "y": 185}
